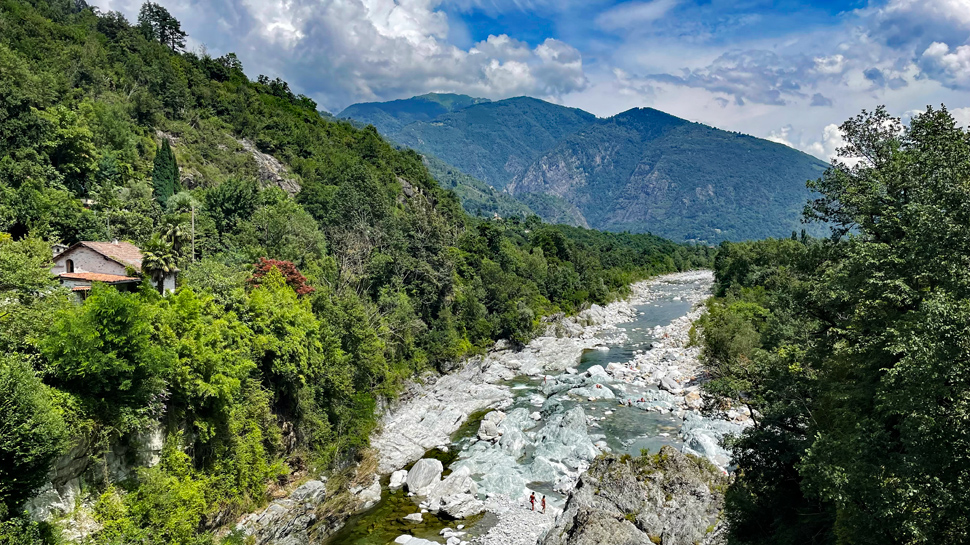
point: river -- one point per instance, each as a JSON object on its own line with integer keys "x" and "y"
{"x": 586, "y": 387}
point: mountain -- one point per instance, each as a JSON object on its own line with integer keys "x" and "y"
{"x": 492, "y": 141}
{"x": 477, "y": 197}
{"x": 390, "y": 117}
{"x": 645, "y": 170}
{"x": 641, "y": 171}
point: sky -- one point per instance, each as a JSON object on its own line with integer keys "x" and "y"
{"x": 787, "y": 70}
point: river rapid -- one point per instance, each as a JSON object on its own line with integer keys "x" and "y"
{"x": 618, "y": 378}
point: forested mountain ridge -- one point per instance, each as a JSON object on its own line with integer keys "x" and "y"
{"x": 390, "y": 117}
{"x": 294, "y": 317}
{"x": 645, "y": 170}
{"x": 641, "y": 170}
{"x": 492, "y": 141}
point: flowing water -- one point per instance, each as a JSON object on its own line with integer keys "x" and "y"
{"x": 624, "y": 429}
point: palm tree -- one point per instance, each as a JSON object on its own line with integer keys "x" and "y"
{"x": 158, "y": 260}
{"x": 182, "y": 204}
{"x": 173, "y": 234}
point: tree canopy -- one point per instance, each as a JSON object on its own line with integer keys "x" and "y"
{"x": 853, "y": 350}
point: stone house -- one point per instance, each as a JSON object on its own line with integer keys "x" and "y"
{"x": 116, "y": 263}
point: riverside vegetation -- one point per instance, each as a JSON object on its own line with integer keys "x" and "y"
{"x": 852, "y": 351}
{"x": 320, "y": 269}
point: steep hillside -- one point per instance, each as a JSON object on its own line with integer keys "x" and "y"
{"x": 647, "y": 171}
{"x": 478, "y": 198}
{"x": 390, "y": 117}
{"x": 494, "y": 141}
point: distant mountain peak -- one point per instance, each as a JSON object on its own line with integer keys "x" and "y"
{"x": 642, "y": 170}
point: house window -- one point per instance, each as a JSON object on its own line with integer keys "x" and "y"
{"x": 69, "y": 266}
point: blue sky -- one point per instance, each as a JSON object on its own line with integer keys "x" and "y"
{"x": 786, "y": 70}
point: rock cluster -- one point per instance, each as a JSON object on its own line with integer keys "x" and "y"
{"x": 455, "y": 496}
{"x": 287, "y": 521}
{"x": 670, "y": 498}
{"x": 429, "y": 414}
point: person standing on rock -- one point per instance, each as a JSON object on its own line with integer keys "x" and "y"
{"x": 532, "y": 500}
{"x": 543, "y": 504}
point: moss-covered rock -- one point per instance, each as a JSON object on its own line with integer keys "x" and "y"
{"x": 669, "y": 498}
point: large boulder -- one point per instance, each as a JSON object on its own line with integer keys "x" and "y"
{"x": 460, "y": 506}
{"x": 565, "y": 439}
{"x": 459, "y": 482}
{"x": 287, "y": 520}
{"x": 425, "y": 474}
{"x": 673, "y": 497}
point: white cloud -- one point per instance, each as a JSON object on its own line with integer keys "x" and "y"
{"x": 344, "y": 51}
{"x": 781, "y": 136}
{"x": 952, "y": 68}
{"x": 962, "y": 115}
{"x": 633, "y": 14}
{"x": 829, "y": 65}
{"x": 832, "y": 139}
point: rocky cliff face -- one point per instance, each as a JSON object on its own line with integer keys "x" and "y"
{"x": 61, "y": 498}
{"x": 670, "y": 498}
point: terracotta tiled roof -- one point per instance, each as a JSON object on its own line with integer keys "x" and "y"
{"x": 98, "y": 277}
{"x": 81, "y": 288}
{"x": 124, "y": 253}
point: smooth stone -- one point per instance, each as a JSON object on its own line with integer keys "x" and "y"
{"x": 398, "y": 478}
{"x": 414, "y": 517}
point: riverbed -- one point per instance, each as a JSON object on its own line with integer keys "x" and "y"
{"x": 618, "y": 378}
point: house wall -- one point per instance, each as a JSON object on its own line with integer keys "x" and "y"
{"x": 87, "y": 260}
{"x": 168, "y": 284}
{"x": 72, "y": 283}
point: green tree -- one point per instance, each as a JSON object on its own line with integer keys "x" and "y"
{"x": 106, "y": 351}
{"x": 159, "y": 259}
{"x": 32, "y": 433}
{"x": 159, "y": 25}
{"x": 165, "y": 173}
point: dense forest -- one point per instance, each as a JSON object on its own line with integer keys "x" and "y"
{"x": 303, "y": 300}
{"x": 852, "y": 351}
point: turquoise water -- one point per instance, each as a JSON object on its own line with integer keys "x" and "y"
{"x": 627, "y": 430}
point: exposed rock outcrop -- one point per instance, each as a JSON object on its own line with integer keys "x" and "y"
{"x": 286, "y": 521}
{"x": 671, "y": 498}
{"x": 271, "y": 171}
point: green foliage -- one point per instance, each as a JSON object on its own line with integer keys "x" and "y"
{"x": 852, "y": 350}
{"x": 25, "y": 266}
{"x": 165, "y": 173}
{"x": 32, "y": 434}
{"x": 168, "y": 506}
{"x": 23, "y": 531}
{"x": 106, "y": 350}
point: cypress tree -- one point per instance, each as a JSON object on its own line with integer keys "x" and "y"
{"x": 165, "y": 174}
